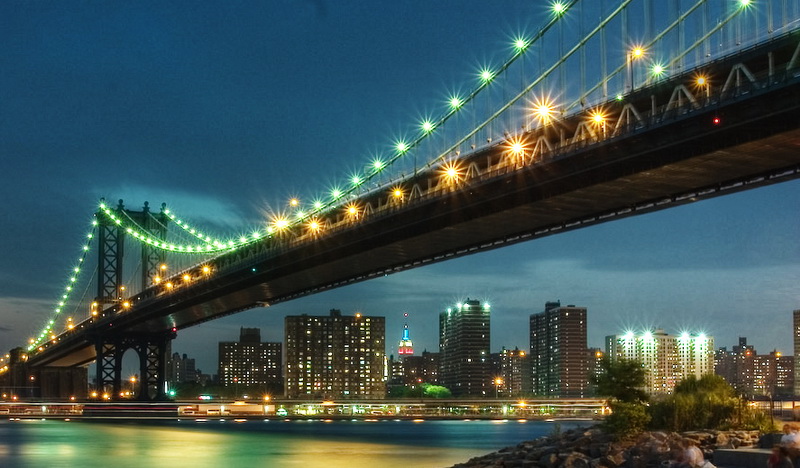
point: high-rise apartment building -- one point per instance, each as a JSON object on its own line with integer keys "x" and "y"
{"x": 751, "y": 373}
{"x": 464, "y": 349}
{"x": 796, "y": 329}
{"x": 250, "y": 362}
{"x": 667, "y": 359}
{"x": 335, "y": 356}
{"x": 559, "y": 364}
{"x": 513, "y": 372}
{"x": 181, "y": 369}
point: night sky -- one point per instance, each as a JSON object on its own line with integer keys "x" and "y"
{"x": 223, "y": 109}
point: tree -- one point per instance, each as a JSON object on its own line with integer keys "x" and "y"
{"x": 705, "y": 403}
{"x": 436, "y": 391}
{"x": 622, "y": 380}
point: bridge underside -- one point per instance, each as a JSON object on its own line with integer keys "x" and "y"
{"x": 680, "y": 161}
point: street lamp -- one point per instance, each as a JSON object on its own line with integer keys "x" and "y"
{"x": 633, "y": 54}
{"x": 497, "y": 383}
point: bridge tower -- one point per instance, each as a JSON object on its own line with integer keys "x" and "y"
{"x": 151, "y": 348}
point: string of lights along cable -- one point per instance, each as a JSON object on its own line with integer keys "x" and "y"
{"x": 582, "y": 63}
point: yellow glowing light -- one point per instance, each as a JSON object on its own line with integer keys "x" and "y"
{"x": 206, "y": 269}
{"x": 280, "y": 223}
{"x": 126, "y": 304}
{"x": 358, "y": 314}
{"x": 451, "y": 172}
{"x": 352, "y": 210}
{"x": 397, "y": 192}
{"x": 637, "y": 52}
{"x": 543, "y": 110}
{"x": 187, "y": 277}
{"x": 156, "y": 279}
{"x": 169, "y": 285}
{"x": 314, "y": 225}
{"x": 294, "y": 202}
{"x": 163, "y": 266}
{"x": 598, "y": 118}
{"x": 701, "y": 81}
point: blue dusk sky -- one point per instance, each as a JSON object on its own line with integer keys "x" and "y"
{"x": 223, "y": 109}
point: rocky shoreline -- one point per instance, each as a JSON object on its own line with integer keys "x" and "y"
{"x": 591, "y": 448}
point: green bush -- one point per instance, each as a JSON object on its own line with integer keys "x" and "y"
{"x": 626, "y": 419}
{"x": 705, "y": 403}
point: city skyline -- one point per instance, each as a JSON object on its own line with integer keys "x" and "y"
{"x": 214, "y": 119}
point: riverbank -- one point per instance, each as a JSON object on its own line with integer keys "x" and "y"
{"x": 594, "y": 448}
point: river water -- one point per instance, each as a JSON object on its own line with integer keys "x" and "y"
{"x": 258, "y": 443}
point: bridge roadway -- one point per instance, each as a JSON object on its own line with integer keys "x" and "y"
{"x": 671, "y": 157}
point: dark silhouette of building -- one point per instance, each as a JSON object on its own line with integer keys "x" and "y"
{"x": 464, "y": 348}
{"x": 250, "y": 362}
{"x": 335, "y": 356}
{"x": 559, "y": 364}
{"x": 181, "y": 369}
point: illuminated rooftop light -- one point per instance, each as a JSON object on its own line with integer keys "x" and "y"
{"x": 647, "y": 336}
{"x": 628, "y": 335}
{"x": 684, "y": 336}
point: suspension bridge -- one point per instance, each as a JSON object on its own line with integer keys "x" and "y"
{"x": 607, "y": 111}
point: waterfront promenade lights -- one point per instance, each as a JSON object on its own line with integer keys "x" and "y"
{"x": 634, "y": 54}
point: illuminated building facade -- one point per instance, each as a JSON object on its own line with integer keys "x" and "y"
{"x": 667, "y": 359}
{"x": 796, "y": 336}
{"x": 753, "y": 374}
{"x": 250, "y": 362}
{"x": 594, "y": 357}
{"x": 335, "y": 356}
{"x": 559, "y": 365}
{"x": 514, "y": 372}
{"x": 405, "y": 347}
{"x": 464, "y": 349}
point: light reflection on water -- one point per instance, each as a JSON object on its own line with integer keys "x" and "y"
{"x": 279, "y": 444}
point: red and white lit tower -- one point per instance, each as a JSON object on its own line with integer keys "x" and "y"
{"x": 405, "y": 347}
